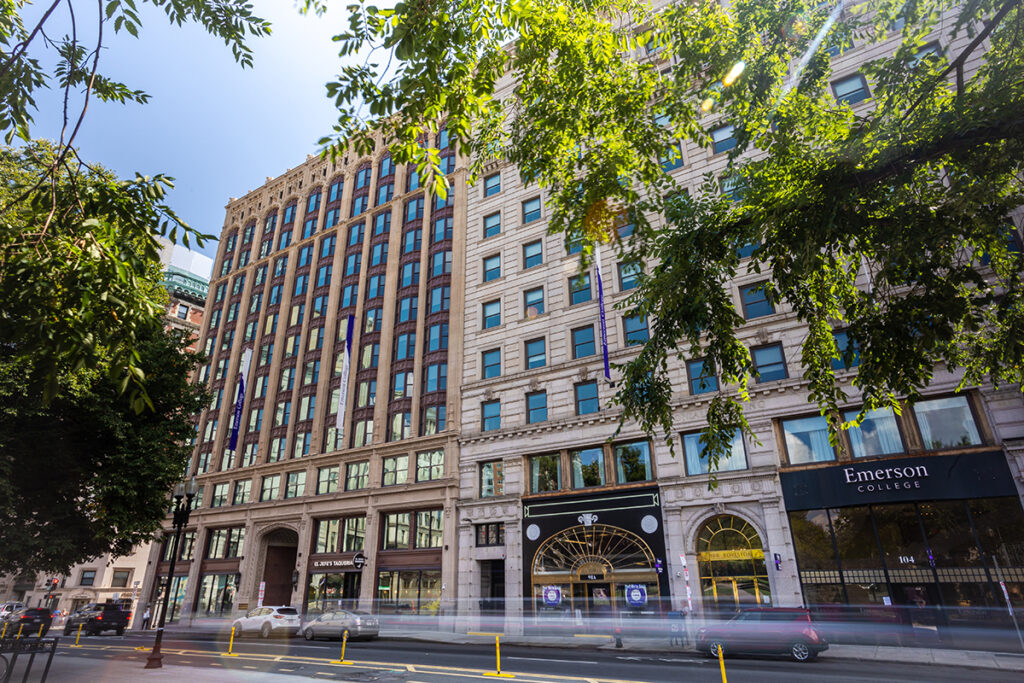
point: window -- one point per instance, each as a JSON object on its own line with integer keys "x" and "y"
{"x": 531, "y": 210}
{"x": 492, "y": 184}
{"x": 440, "y": 299}
{"x": 352, "y": 263}
{"x": 492, "y": 479}
{"x": 492, "y": 533}
{"x": 579, "y": 289}
{"x": 379, "y": 254}
{"x": 295, "y": 485}
{"x": 302, "y": 444}
{"x": 396, "y": 470}
{"x": 374, "y": 320}
{"x": 931, "y": 51}
{"x": 353, "y": 535}
{"x": 545, "y": 473}
{"x": 490, "y": 415}
{"x": 533, "y": 302}
{"x": 437, "y": 377}
{"x": 636, "y": 329}
{"x": 437, "y": 339}
{"x": 429, "y": 527}
{"x": 443, "y": 228}
{"x": 405, "y": 346}
{"x": 326, "y": 480}
{"x": 362, "y": 433}
{"x": 367, "y": 395}
{"x": 583, "y": 342}
{"x": 702, "y": 377}
{"x": 734, "y": 187}
{"x": 355, "y": 234}
{"x": 807, "y": 440}
{"x": 851, "y": 90}
{"x": 535, "y": 353}
{"x": 349, "y": 295}
{"x": 370, "y": 356}
{"x": 878, "y": 433}
{"x": 629, "y": 276}
{"x": 848, "y": 356}
{"x": 769, "y": 363}
{"x": 492, "y": 225}
{"x": 401, "y": 426}
{"x": 448, "y": 200}
{"x": 492, "y": 267}
{"x": 536, "y": 407}
{"x": 332, "y": 217}
{"x": 375, "y": 286}
{"x": 387, "y": 167}
{"x": 335, "y": 192}
{"x": 414, "y": 209}
{"x": 182, "y": 311}
{"x": 359, "y": 204}
{"x": 633, "y": 462}
{"x": 243, "y": 490}
{"x": 412, "y": 241}
{"x": 429, "y": 465}
{"x": 408, "y": 308}
{"x": 755, "y": 301}
{"x": 385, "y": 191}
{"x": 382, "y": 223}
{"x": 357, "y": 475}
{"x": 586, "y": 398}
{"x": 88, "y": 577}
{"x": 723, "y": 139}
{"x": 326, "y": 534}
{"x": 587, "y": 467}
{"x": 403, "y": 384}
{"x": 323, "y": 275}
{"x": 946, "y": 423}
{"x": 396, "y": 531}
{"x": 697, "y": 462}
{"x": 412, "y": 179}
{"x": 220, "y": 496}
{"x": 533, "y": 254}
{"x": 440, "y": 263}
{"x": 433, "y": 420}
{"x": 284, "y": 239}
{"x": 491, "y": 314}
{"x": 270, "y": 487}
{"x": 491, "y": 363}
{"x": 410, "y": 274}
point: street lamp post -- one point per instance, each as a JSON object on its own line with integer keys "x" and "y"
{"x": 181, "y": 513}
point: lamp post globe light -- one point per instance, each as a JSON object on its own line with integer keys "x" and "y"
{"x": 182, "y": 508}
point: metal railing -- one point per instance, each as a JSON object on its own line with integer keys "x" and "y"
{"x": 11, "y": 648}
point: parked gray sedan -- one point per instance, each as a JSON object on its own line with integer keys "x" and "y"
{"x": 333, "y": 624}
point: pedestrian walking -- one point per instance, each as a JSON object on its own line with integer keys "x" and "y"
{"x": 145, "y": 620}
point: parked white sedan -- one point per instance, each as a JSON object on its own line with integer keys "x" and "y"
{"x": 268, "y": 621}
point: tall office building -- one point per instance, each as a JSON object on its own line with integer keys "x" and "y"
{"x": 333, "y": 495}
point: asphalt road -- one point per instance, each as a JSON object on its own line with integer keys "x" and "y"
{"x": 392, "y": 661}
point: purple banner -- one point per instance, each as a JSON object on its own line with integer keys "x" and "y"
{"x": 346, "y": 364}
{"x": 240, "y": 400}
{"x": 604, "y": 324}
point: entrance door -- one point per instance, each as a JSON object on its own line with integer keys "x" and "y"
{"x": 277, "y": 573}
{"x": 922, "y": 607}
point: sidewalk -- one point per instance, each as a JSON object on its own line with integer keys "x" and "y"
{"x": 903, "y": 655}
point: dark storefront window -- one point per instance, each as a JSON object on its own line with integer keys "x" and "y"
{"x": 328, "y": 591}
{"x": 924, "y": 554}
{"x": 217, "y": 594}
{"x": 409, "y": 592}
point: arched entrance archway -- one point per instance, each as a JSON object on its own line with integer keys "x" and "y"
{"x": 281, "y": 550}
{"x": 731, "y": 561}
{"x": 591, "y": 566}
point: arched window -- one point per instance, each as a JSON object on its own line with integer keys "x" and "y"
{"x": 731, "y": 561}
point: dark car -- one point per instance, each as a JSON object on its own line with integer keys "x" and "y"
{"x": 333, "y": 624}
{"x": 29, "y": 620}
{"x": 96, "y": 618}
{"x": 767, "y": 630}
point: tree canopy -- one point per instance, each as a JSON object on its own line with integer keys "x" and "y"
{"x": 68, "y": 286}
{"x": 889, "y": 221}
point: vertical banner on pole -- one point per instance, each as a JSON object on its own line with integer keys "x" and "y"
{"x": 346, "y": 364}
{"x": 600, "y": 301}
{"x": 243, "y": 376}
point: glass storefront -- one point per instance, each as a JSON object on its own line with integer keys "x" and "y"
{"x": 177, "y": 598}
{"x": 415, "y": 591}
{"x": 948, "y": 553}
{"x": 327, "y": 591}
{"x": 217, "y": 594}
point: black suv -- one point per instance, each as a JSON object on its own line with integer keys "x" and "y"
{"x": 31, "y": 620}
{"x": 96, "y": 618}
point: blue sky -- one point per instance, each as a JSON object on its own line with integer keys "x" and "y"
{"x": 217, "y": 129}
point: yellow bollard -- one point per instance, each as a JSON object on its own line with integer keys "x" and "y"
{"x": 20, "y": 626}
{"x": 344, "y": 642}
{"x": 3, "y": 633}
{"x": 40, "y": 634}
{"x": 78, "y": 635}
{"x": 231, "y": 645}
{"x": 497, "y": 654}
{"x": 721, "y": 661}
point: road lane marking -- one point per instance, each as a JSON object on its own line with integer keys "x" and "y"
{"x": 561, "y": 661}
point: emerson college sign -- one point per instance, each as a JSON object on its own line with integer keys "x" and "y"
{"x": 938, "y": 477}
